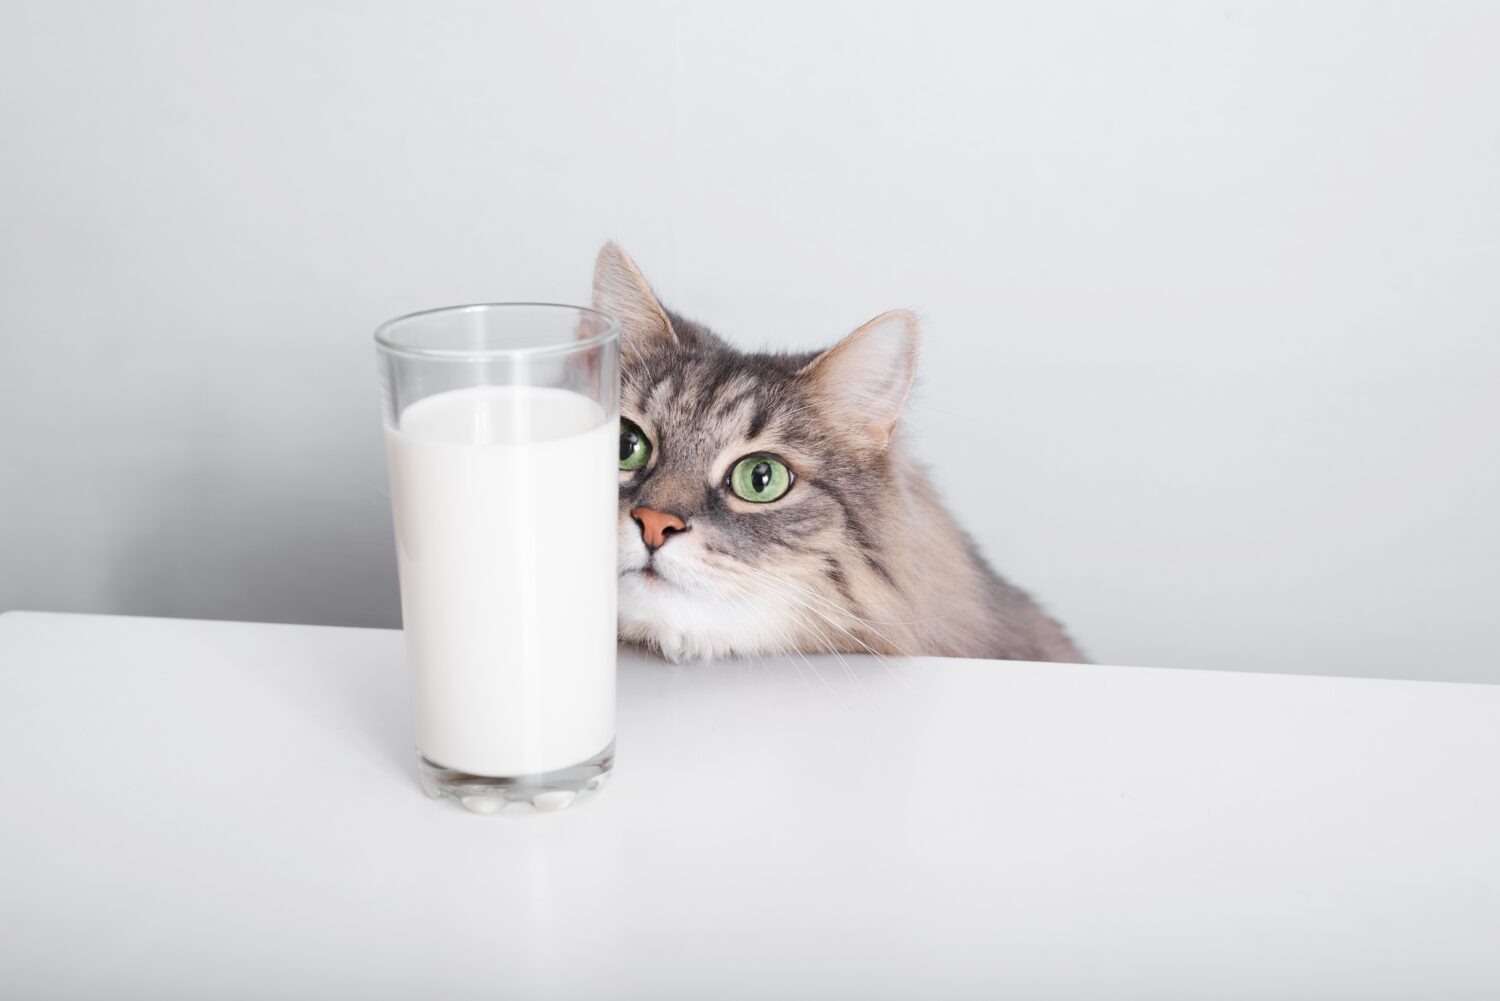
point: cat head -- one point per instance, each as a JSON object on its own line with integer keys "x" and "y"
{"x": 755, "y": 488}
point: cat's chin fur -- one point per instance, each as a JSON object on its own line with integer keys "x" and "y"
{"x": 685, "y": 624}
{"x": 686, "y": 612}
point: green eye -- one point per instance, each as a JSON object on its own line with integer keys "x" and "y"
{"x": 634, "y": 448}
{"x": 760, "y": 478}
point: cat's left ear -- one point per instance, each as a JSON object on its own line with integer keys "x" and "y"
{"x": 621, "y": 290}
{"x": 864, "y": 379}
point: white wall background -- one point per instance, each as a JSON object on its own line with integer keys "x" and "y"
{"x": 1209, "y": 291}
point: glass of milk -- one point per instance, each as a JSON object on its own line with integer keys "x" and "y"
{"x": 502, "y": 434}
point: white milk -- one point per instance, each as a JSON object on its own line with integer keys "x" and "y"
{"x": 505, "y": 502}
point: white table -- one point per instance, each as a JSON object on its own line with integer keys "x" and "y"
{"x": 228, "y": 810}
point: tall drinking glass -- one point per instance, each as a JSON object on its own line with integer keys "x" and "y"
{"x": 502, "y": 434}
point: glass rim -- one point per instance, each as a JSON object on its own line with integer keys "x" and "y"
{"x": 385, "y": 342}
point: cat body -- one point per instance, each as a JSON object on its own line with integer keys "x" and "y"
{"x": 768, "y": 504}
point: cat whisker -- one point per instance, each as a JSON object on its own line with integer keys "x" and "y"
{"x": 827, "y": 643}
{"x": 795, "y": 648}
{"x": 813, "y": 595}
{"x": 850, "y": 614}
{"x": 879, "y": 657}
{"x": 884, "y": 662}
{"x": 864, "y": 647}
{"x": 745, "y": 602}
{"x": 725, "y": 587}
{"x": 896, "y": 647}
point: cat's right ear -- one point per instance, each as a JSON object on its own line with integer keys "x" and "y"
{"x": 621, "y": 290}
{"x": 862, "y": 381}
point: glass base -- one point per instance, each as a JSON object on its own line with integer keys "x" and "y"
{"x": 490, "y": 794}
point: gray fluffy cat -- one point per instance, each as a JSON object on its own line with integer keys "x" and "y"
{"x": 767, "y": 506}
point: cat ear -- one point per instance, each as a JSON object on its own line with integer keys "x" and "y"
{"x": 864, "y": 378}
{"x": 621, "y": 290}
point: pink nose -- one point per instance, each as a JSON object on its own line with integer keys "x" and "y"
{"x": 657, "y": 525}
